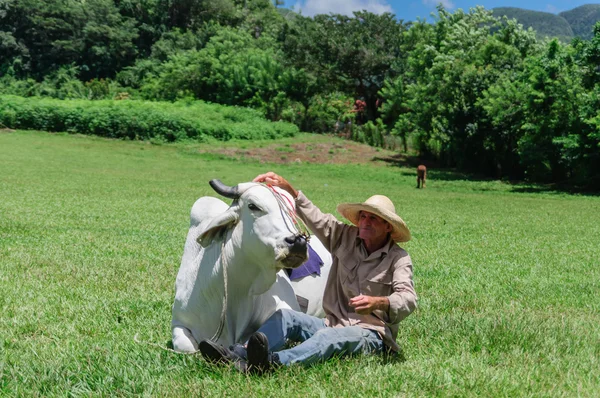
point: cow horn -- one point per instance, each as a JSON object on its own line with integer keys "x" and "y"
{"x": 225, "y": 190}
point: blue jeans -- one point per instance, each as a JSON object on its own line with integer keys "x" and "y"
{"x": 317, "y": 341}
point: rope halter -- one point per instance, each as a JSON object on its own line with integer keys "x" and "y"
{"x": 288, "y": 211}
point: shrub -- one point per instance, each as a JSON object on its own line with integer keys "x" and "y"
{"x": 370, "y": 133}
{"x": 325, "y": 111}
{"x": 61, "y": 84}
{"x": 140, "y": 119}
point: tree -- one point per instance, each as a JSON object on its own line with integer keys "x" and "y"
{"x": 233, "y": 69}
{"x": 41, "y": 36}
{"x": 437, "y": 104}
{"x": 350, "y": 54}
{"x": 551, "y": 123}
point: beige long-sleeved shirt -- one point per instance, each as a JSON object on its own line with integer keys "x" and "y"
{"x": 386, "y": 272}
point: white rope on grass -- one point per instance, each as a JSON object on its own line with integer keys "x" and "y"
{"x": 153, "y": 344}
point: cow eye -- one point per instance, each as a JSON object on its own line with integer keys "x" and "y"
{"x": 253, "y": 207}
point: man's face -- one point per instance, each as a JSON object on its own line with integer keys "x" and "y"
{"x": 372, "y": 227}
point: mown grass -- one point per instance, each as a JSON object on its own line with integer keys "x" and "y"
{"x": 92, "y": 231}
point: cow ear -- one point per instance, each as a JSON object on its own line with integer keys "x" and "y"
{"x": 211, "y": 229}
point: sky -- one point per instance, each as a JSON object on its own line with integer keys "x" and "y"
{"x": 410, "y": 10}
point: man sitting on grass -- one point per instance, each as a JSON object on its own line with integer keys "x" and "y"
{"x": 368, "y": 292}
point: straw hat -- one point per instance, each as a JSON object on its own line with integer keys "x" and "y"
{"x": 381, "y": 206}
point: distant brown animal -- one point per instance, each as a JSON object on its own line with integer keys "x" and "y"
{"x": 421, "y": 175}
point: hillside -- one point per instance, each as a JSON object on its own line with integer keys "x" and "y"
{"x": 544, "y": 23}
{"x": 582, "y": 19}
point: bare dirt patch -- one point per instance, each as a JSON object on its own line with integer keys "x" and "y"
{"x": 333, "y": 151}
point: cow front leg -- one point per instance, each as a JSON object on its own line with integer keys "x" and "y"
{"x": 183, "y": 341}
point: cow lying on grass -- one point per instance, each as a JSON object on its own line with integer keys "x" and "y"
{"x": 231, "y": 280}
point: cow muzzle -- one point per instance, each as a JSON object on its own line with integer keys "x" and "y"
{"x": 297, "y": 251}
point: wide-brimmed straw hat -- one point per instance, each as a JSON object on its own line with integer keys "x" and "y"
{"x": 383, "y": 207}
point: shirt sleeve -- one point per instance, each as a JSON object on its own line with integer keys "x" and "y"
{"x": 403, "y": 300}
{"x": 325, "y": 226}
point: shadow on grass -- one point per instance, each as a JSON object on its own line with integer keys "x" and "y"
{"x": 435, "y": 172}
{"x": 558, "y": 188}
{"x": 391, "y": 357}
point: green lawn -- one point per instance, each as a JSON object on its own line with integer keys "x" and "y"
{"x": 92, "y": 231}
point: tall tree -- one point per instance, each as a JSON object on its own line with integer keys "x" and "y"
{"x": 352, "y": 54}
{"x": 449, "y": 67}
{"x": 91, "y": 34}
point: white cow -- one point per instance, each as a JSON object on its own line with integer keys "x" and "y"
{"x": 231, "y": 279}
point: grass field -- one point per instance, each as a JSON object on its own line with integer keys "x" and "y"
{"x": 92, "y": 231}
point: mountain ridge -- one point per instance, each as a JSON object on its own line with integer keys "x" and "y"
{"x": 577, "y": 22}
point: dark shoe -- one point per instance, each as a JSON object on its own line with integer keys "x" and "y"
{"x": 260, "y": 360}
{"x": 216, "y": 353}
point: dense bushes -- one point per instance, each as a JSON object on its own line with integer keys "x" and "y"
{"x": 233, "y": 53}
{"x": 139, "y": 119}
{"x": 62, "y": 84}
{"x": 233, "y": 69}
{"x": 327, "y": 113}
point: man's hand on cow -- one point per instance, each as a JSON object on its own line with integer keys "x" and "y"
{"x": 276, "y": 180}
{"x": 364, "y": 305}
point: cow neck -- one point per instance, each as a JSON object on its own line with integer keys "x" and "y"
{"x": 240, "y": 293}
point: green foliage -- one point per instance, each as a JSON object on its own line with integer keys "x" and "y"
{"x": 233, "y": 69}
{"x": 434, "y": 104}
{"x": 545, "y": 24}
{"x": 140, "y": 120}
{"x": 330, "y": 113}
{"x": 150, "y": 18}
{"x": 175, "y": 41}
{"x": 588, "y": 57}
{"x": 102, "y": 37}
{"x": 62, "y": 84}
{"x": 40, "y": 36}
{"x": 582, "y": 19}
{"x": 370, "y": 133}
{"x": 352, "y": 54}
{"x": 481, "y": 94}
{"x": 552, "y": 114}
{"x": 546, "y": 111}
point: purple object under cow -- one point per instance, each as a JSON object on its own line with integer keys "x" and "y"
{"x": 311, "y": 266}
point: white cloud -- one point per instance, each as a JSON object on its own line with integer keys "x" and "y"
{"x": 552, "y": 9}
{"x": 310, "y": 8}
{"x": 448, "y": 4}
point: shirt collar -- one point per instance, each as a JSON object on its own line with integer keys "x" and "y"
{"x": 378, "y": 253}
